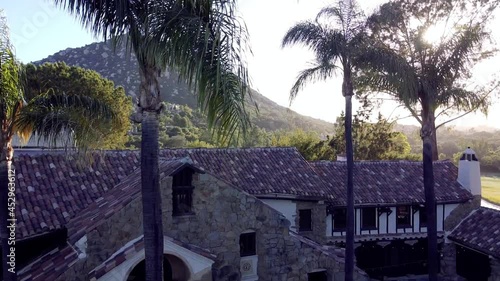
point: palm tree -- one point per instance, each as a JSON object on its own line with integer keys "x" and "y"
{"x": 427, "y": 76}
{"x": 48, "y": 115}
{"x": 334, "y": 47}
{"x": 203, "y": 41}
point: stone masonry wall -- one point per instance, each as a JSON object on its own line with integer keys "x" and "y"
{"x": 107, "y": 238}
{"x": 449, "y": 259}
{"x": 460, "y": 212}
{"x": 221, "y": 214}
{"x": 495, "y": 270}
{"x": 318, "y": 213}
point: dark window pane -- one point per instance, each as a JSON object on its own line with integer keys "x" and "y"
{"x": 247, "y": 244}
{"x": 339, "y": 219}
{"x": 183, "y": 178}
{"x": 403, "y": 216}
{"x": 305, "y": 222}
{"x": 422, "y": 217}
{"x": 182, "y": 192}
{"x": 369, "y": 218}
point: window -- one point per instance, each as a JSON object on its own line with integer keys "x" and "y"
{"x": 339, "y": 219}
{"x": 422, "y": 213}
{"x": 403, "y": 216}
{"x": 305, "y": 222}
{"x": 247, "y": 244}
{"x": 369, "y": 218}
{"x": 182, "y": 193}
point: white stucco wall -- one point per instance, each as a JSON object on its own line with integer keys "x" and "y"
{"x": 329, "y": 225}
{"x": 287, "y": 207}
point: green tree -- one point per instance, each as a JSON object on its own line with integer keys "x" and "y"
{"x": 48, "y": 115}
{"x": 203, "y": 42}
{"x": 429, "y": 76}
{"x": 309, "y": 144}
{"x": 335, "y": 37}
{"x": 59, "y": 77}
{"x": 372, "y": 141}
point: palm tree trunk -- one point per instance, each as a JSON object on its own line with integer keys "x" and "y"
{"x": 5, "y": 167}
{"x": 347, "y": 90}
{"x": 430, "y": 198}
{"x": 435, "y": 153}
{"x": 151, "y": 199}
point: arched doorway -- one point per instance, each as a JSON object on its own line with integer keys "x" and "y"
{"x": 174, "y": 269}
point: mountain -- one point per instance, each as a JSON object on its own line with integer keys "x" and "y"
{"x": 121, "y": 67}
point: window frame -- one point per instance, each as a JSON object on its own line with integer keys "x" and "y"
{"x": 374, "y": 217}
{"x": 422, "y": 212}
{"x": 335, "y": 215}
{"x": 182, "y": 192}
{"x": 409, "y": 214}
{"x": 250, "y": 238}
{"x": 301, "y": 217}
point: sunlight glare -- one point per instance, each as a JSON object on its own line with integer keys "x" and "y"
{"x": 435, "y": 33}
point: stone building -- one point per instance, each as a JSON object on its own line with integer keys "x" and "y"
{"x": 230, "y": 214}
{"x": 82, "y": 222}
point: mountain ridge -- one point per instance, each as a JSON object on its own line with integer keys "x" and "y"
{"x": 121, "y": 67}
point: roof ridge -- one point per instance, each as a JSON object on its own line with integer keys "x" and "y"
{"x": 465, "y": 218}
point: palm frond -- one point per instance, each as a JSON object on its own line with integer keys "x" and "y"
{"x": 319, "y": 72}
{"x": 53, "y": 115}
{"x": 383, "y": 69}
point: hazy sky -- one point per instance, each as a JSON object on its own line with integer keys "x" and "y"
{"x": 38, "y": 29}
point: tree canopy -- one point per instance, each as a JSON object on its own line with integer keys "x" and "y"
{"x": 431, "y": 77}
{"x": 60, "y": 78}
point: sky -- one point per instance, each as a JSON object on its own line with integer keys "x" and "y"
{"x": 39, "y": 29}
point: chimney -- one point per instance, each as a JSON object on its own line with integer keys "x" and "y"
{"x": 469, "y": 174}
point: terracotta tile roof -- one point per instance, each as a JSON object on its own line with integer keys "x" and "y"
{"x": 52, "y": 188}
{"x": 49, "y": 266}
{"x": 480, "y": 231}
{"x": 391, "y": 182}
{"x": 135, "y": 247}
{"x": 258, "y": 171}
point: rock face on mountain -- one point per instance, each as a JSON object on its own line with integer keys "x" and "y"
{"x": 121, "y": 67}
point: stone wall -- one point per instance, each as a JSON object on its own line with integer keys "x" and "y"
{"x": 318, "y": 213}
{"x": 495, "y": 270}
{"x": 449, "y": 259}
{"x": 107, "y": 238}
{"x": 460, "y": 212}
{"x": 221, "y": 214}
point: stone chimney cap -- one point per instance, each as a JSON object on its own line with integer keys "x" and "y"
{"x": 469, "y": 155}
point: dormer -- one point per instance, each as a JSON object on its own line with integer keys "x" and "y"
{"x": 469, "y": 174}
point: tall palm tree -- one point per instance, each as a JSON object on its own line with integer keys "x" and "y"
{"x": 203, "y": 41}
{"x": 335, "y": 37}
{"x": 427, "y": 76}
{"x": 48, "y": 115}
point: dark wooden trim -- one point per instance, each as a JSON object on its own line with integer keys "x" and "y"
{"x": 356, "y": 222}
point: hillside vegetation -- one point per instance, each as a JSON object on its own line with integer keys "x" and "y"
{"x": 183, "y": 126}
{"x": 122, "y": 69}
